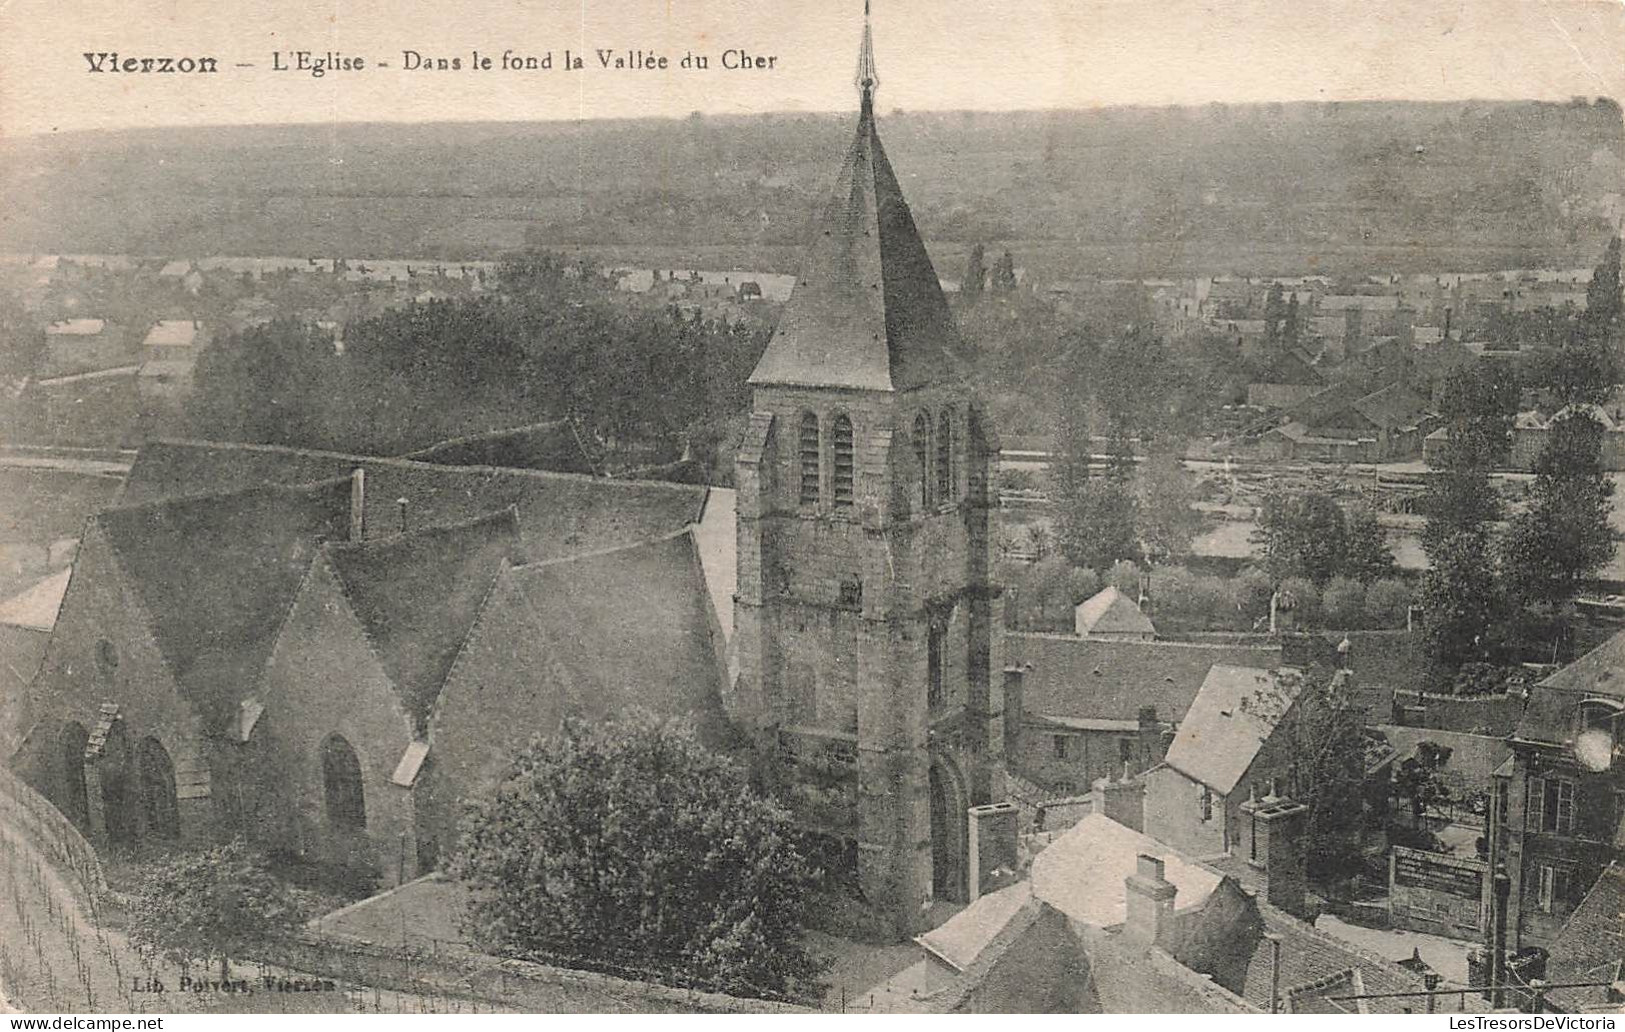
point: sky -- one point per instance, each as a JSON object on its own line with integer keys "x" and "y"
{"x": 985, "y": 55}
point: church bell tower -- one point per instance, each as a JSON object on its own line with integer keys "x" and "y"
{"x": 868, "y": 630}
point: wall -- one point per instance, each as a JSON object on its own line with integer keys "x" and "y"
{"x": 324, "y": 678}
{"x": 1090, "y": 755}
{"x": 1173, "y": 813}
{"x": 1493, "y": 715}
{"x": 1438, "y": 894}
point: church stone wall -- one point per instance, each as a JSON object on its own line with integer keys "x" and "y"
{"x": 324, "y": 678}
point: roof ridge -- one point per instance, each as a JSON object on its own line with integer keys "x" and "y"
{"x": 510, "y": 511}
{"x": 601, "y": 552}
{"x": 309, "y": 487}
{"x": 483, "y": 435}
{"x": 409, "y": 463}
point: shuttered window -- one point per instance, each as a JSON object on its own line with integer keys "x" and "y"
{"x": 808, "y": 445}
{"x": 845, "y": 470}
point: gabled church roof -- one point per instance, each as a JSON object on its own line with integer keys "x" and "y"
{"x": 867, "y": 311}
{"x": 418, "y": 596}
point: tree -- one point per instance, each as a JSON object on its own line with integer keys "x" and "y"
{"x": 1420, "y": 780}
{"x": 1366, "y": 556}
{"x": 1324, "y": 733}
{"x": 1166, "y": 520}
{"x": 1125, "y": 577}
{"x": 1304, "y": 535}
{"x": 215, "y": 903}
{"x": 1601, "y": 323}
{"x": 1387, "y": 602}
{"x": 1343, "y": 602}
{"x": 975, "y": 274}
{"x": 1460, "y": 599}
{"x": 1004, "y": 274}
{"x": 1274, "y": 316}
{"x": 1564, "y": 535}
{"x": 1478, "y": 404}
{"x": 633, "y": 843}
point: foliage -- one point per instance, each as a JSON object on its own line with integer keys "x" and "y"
{"x": 1564, "y": 535}
{"x": 1343, "y": 602}
{"x": 1047, "y": 592}
{"x": 1167, "y": 523}
{"x": 1460, "y": 599}
{"x": 1478, "y": 403}
{"x": 975, "y": 274}
{"x": 1125, "y": 577}
{"x": 213, "y": 903}
{"x": 1366, "y": 556}
{"x": 1323, "y": 731}
{"x": 1386, "y": 603}
{"x": 1097, "y": 524}
{"x": 1304, "y": 535}
{"x": 1004, "y": 274}
{"x": 1484, "y": 679}
{"x": 1301, "y": 597}
{"x": 1419, "y": 779}
{"x": 632, "y": 842}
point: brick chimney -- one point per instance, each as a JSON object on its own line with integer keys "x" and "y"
{"x": 358, "y": 504}
{"x": 1276, "y": 829}
{"x": 1120, "y": 800}
{"x": 1148, "y": 901}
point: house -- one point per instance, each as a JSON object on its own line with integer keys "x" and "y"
{"x": 1292, "y": 378}
{"x": 1111, "y": 614}
{"x": 1110, "y": 920}
{"x": 1079, "y": 708}
{"x": 1385, "y": 425}
{"x": 1226, "y": 753}
{"x": 1591, "y": 948}
{"x": 180, "y": 340}
{"x": 83, "y": 345}
{"x": 1555, "y": 818}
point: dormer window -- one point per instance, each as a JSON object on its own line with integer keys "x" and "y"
{"x": 808, "y": 452}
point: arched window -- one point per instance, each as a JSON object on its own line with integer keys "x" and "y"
{"x": 841, "y": 482}
{"x": 341, "y": 782}
{"x": 922, "y": 456}
{"x": 807, "y": 445}
{"x": 74, "y": 797}
{"x": 157, "y": 778}
{"x": 945, "y": 458}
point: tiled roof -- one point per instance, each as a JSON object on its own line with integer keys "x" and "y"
{"x": 867, "y": 311}
{"x": 216, "y": 574}
{"x": 554, "y": 446}
{"x": 1112, "y": 679}
{"x": 1552, "y": 703}
{"x": 1232, "y": 717}
{"x": 1393, "y": 407}
{"x": 559, "y": 513}
{"x": 417, "y": 595}
{"x": 1591, "y": 946}
{"x": 629, "y": 627}
{"x": 1082, "y": 873}
{"x": 1109, "y": 611}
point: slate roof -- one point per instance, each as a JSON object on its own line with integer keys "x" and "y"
{"x": 1232, "y": 717}
{"x": 553, "y": 446}
{"x": 1109, "y": 611}
{"x": 216, "y": 575}
{"x": 418, "y": 595}
{"x": 630, "y": 627}
{"x": 1549, "y": 717}
{"x": 1394, "y": 407}
{"x": 1591, "y": 946}
{"x": 1316, "y": 965}
{"x": 1111, "y": 679}
{"x": 559, "y": 513}
{"x": 1293, "y": 367}
{"x": 867, "y": 311}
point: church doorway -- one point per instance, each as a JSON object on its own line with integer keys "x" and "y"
{"x": 947, "y": 835}
{"x": 113, "y": 771}
{"x": 75, "y": 800}
{"x": 158, "y": 803}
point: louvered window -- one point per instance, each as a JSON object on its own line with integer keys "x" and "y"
{"x": 808, "y": 444}
{"x": 922, "y": 456}
{"x": 945, "y": 458}
{"x": 844, "y": 468}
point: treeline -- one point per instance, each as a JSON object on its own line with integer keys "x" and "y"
{"x": 551, "y": 342}
{"x": 1501, "y": 585}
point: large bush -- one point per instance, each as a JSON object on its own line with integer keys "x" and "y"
{"x": 1387, "y": 601}
{"x": 1343, "y": 603}
{"x": 633, "y": 845}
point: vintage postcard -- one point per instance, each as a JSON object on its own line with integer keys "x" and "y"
{"x": 877, "y": 506}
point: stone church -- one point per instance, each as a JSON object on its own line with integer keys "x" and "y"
{"x": 329, "y": 653}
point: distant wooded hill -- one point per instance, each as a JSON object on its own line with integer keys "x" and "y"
{"x": 1117, "y": 191}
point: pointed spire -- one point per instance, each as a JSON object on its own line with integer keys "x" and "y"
{"x": 867, "y": 79}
